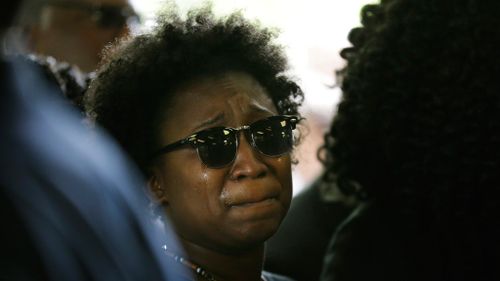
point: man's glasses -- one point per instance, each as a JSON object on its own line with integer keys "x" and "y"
{"x": 217, "y": 147}
{"x": 104, "y": 15}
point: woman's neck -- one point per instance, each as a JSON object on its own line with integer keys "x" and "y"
{"x": 245, "y": 265}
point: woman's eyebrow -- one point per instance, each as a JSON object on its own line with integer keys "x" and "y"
{"x": 210, "y": 122}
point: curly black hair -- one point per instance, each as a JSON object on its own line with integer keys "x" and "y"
{"x": 418, "y": 126}
{"x": 142, "y": 73}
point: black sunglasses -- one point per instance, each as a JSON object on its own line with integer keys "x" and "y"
{"x": 104, "y": 15}
{"x": 216, "y": 147}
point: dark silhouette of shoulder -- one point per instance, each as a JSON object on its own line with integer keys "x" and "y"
{"x": 82, "y": 210}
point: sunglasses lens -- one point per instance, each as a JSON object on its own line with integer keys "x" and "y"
{"x": 108, "y": 17}
{"x": 273, "y": 136}
{"x": 217, "y": 147}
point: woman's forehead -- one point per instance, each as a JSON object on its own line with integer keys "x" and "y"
{"x": 236, "y": 91}
{"x": 231, "y": 99}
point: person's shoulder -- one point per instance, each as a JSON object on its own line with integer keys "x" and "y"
{"x": 268, "y": 276}
{"x": 80, "y": 185}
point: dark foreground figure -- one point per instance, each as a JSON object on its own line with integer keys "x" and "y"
{"x": 417, "y": 135}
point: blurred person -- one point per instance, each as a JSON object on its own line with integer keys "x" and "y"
{"x": 72, "y": 206}
{"x": 417, "y": 136}
{"x": 204, "y": 107}
{"x": 72, "y": 31}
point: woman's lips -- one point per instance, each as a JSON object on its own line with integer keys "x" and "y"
{"x": 254, "y": 211}
{"x": 250, "y": 195}
{"x": 252, "y": 203}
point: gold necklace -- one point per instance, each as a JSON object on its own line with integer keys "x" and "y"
{"x": 200, "y": 271}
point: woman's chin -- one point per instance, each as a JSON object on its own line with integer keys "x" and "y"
{"x": 253, "y": 234}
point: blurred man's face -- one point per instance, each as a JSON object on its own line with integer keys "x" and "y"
{"x": 76, "y": 31}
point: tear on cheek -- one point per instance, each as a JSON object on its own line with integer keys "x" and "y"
{"x": 204, "y": 175}
{"x": 201, "y": 182}
{"x": 226, "y": 200}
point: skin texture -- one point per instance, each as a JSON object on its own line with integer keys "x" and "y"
{"x": 71, "y": 35}
{"x": 226, "y": 214}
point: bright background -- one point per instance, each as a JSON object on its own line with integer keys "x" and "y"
{"x": 313, "y": 32}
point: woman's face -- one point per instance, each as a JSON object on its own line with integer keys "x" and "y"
{"x": 235, "y": 207}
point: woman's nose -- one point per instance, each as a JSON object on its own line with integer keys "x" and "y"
{"x": 248, "y": 162}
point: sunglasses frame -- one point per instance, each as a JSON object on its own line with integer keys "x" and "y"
{"x": 97, "y": 11}
{"x": 194, "y": 141}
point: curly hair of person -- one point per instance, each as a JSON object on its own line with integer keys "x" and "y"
{"x": 418, "y": 125}
{"x": 141, "y": 74}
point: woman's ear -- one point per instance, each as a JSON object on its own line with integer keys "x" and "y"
{"x": 157, "y": 190}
